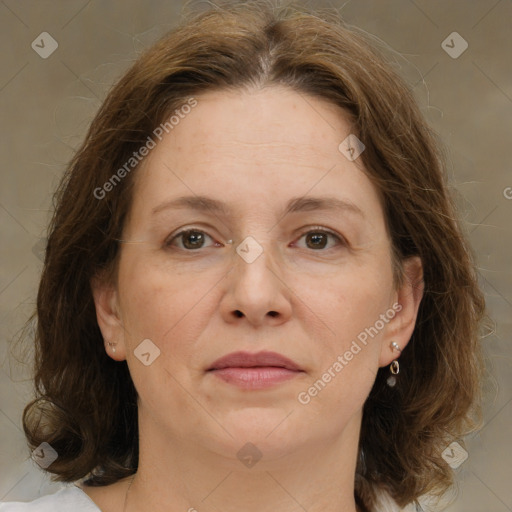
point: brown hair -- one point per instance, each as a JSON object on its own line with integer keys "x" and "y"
{"x": 86, "y": 403}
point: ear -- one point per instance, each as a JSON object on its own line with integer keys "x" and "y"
{"x": 108, "y": 315}
{"x": 407, "y": 302}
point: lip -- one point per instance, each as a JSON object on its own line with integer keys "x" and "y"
{"x": 255, "y": 371}
{"x": 248, "y": 360}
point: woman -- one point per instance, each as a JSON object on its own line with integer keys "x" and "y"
{"x": 256, "y": 293}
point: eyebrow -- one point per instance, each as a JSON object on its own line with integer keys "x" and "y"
{"x": 296, "y": 204}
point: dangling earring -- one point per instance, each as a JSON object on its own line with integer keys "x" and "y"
{"x": 394, "y": 367}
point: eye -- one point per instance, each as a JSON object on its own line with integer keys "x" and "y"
{"x": 317, "y": 238}
{"x": 192, "y": 239}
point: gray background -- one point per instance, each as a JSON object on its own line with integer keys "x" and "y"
{"x": 47, "y": 104}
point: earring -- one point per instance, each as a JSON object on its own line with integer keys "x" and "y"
{"x": 394, "y": 345}
{"x": 394, "y": 367}
{"x": 112, "y": 344}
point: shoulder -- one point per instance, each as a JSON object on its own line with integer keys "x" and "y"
{"x": 385, "y": 503}
{"x": 67, "y": 498}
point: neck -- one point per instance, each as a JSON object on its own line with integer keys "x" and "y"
{"x": 316, "y": 475}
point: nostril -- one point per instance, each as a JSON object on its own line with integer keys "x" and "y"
{"x": 239, "y": 314}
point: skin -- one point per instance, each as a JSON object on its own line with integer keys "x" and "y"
{"x": 254, "y": 151}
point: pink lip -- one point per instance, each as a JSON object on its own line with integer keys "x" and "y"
{"x": 255, "y": 371}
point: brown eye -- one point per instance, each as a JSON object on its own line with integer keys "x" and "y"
{"x": 191, "y": 239}
{"x": 319, "y": 239}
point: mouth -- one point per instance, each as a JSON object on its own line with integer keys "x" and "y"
{"x": 255, "y": 371}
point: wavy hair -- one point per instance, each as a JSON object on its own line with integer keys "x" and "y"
{"x": 86, "y": 404}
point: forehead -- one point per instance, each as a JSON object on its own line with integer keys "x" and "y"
{"x": 270, "y": 116}
{"x": 259, "y": 147}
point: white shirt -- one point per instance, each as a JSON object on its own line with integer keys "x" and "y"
{"x": 65, "y": 500}
{"x": 72, "y": 498}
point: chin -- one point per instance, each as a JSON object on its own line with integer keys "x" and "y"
{"x": 273, "y": 432}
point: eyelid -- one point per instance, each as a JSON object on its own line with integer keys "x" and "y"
{"x": 322, "y": 229}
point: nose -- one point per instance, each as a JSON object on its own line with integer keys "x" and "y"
{"x": 256, "y": 291}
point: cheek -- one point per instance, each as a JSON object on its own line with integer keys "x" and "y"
{"x": 156, "y": 304}
{"x": 167, "y": 309}
{"x": 348, "y": 337}
{"x": 348, "y": 302}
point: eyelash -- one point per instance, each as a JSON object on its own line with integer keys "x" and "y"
{"x": 314, "y": 229}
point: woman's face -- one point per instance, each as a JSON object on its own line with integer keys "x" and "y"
{"x": 308, "y": 275}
